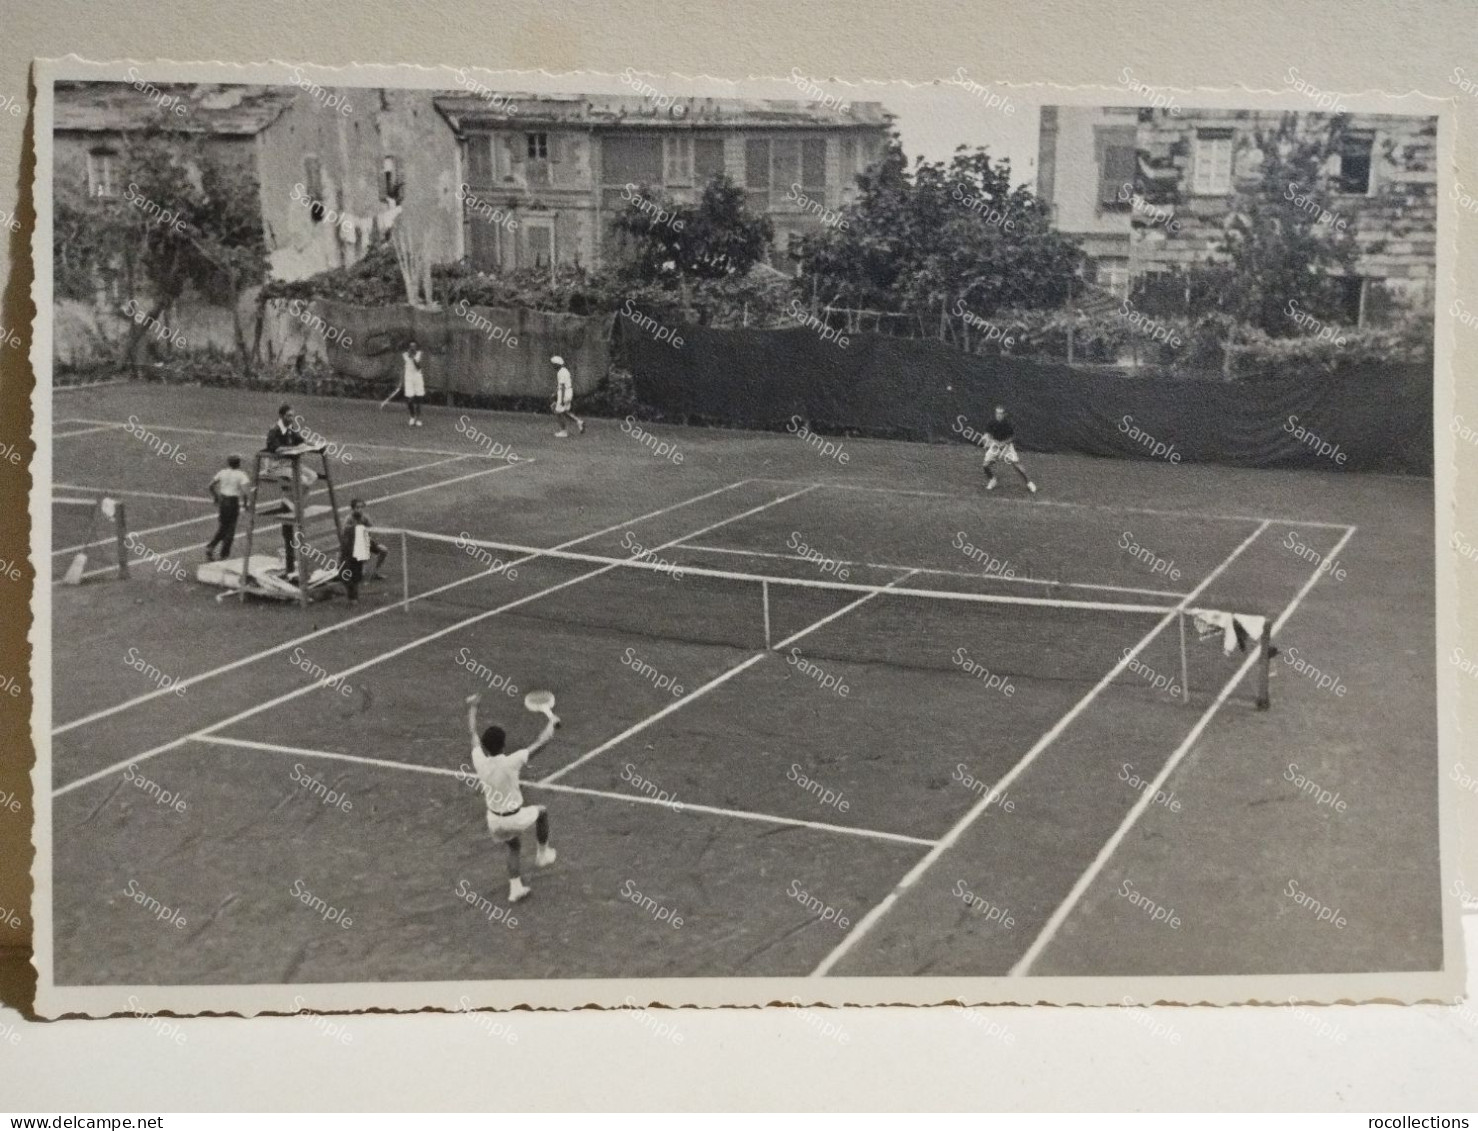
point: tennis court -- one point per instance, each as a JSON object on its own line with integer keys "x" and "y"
{"x": 974, "y": 803}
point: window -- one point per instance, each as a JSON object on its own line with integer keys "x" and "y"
{"x": 1355, "y": 164}
{"x": 1211, "y": 173}
{"x": 677, "y": 160}
{"x": 813, "y": 165}
{"x": 538, "y": 242}
{"x": 480, "y": 159}
{"x": 631, "y": 159}
{"x": 391, "y": 186}
{"x": 1352, "y": 300}
{"x": 757, "y": 173}
{"x": 313, "y": 182}
{"x": 1113, "y": 275}
{"x": 785, "y": 163}
{"x": 708, "y": 158}
{"x": 485, "y": 244}
{"x": 102, "y": 171}
{"x": 757, "y": 163}
{"x": 536, "y": 170}
{"x": 1117, "y": 170}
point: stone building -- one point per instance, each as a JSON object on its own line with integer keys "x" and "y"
{"x": 1151, "y": 191}
{"x": 335, "y": 168}
{"x": 546, "y": 174}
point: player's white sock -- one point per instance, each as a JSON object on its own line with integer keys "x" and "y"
{"x": 545, "y": 855}
{"x": 517, "y": 890}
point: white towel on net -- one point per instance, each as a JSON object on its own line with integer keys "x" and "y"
{"x": 1209, "y": 622}
{"x": 361, "y": 543}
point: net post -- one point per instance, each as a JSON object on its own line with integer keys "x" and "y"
{"x": 405, "y": 575}
{"x": 300, "y": 525}
{"x": 120, "y": 529}
{"x": 1185, "y": 677}
{"x": 765, "y": 591}
{"x": 1264, "y": 665}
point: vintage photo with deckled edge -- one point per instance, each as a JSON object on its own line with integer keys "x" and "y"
{"x": 662, "y": 389}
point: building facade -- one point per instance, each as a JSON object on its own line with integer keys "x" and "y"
{"x": 335, "y": 169}
{"x": 545, "y": 176}
{"x": 1152, "y": 191}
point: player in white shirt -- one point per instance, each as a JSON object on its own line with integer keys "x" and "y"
{"x": 413, "y": 382}
{"x": 508, "y": 817}
{"x": 228, "y": 488}
{"x": 564, "y": 397}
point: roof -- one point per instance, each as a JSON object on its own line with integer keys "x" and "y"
{"x": 234, "y": 110}
{"x": 610, "y": 111}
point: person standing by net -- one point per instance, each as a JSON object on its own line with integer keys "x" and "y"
{"x": 508, "y": 817}
{"x": 413, "y": 383}
{"x": 356, "y": 548}
{"x": 999, "y": 441}
{"x": 564, "y": 398}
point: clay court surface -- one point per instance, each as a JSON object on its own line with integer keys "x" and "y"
{"x": 698, "y": 800}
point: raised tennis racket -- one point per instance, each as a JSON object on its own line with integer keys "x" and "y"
{"x": 542, "y": 703}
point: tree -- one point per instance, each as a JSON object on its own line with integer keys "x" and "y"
{"x": 948, "y": 232}
{"x": 1286, "y": 241}
{"x": 185, "y": 217}
{"x": 668, "y": 242}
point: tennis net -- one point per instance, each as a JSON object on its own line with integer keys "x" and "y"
{"x": 912, "y": 620}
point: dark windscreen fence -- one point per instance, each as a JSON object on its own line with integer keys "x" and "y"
{"x": 582, "y": 601}
{"x": 1363, "y": 418}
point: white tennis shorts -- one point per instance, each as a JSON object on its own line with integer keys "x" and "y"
{"x": 1001, "y": 450}
{"x": 415, "y": 384}
{"x": 516, "y": 824}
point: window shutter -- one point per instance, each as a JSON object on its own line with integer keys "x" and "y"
{"x": 813, "y": 163}
{"x": 1118, "y": 170}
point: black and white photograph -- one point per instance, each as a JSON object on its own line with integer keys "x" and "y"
{"x": 612, "y": 538}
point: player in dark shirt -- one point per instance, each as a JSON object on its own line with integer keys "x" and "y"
{"x": 999, "y": 442}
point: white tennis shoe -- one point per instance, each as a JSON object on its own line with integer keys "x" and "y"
{"x": 517, "y": 890}
{"x": 545, "y": 856}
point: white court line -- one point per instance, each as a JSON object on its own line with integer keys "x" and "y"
{"x": 339, "y": 677}
{"x": 332, "y": 755}
{"x": 738, "y": 814}
{"x": 1049, "y": 930}
{"x": 382, "y": 499}
{"x": 264, "y": 653}
{"x": 90, "y": 385}
{"x": 723, "y": 677}
{"x": 1040, "y": 502}
{"x": 258, "y": 435}
{"x": 113, "y": 492}
{"x": 945, "y": 843}
{"x": 212, "y": 514}
{"x": 936, "y": 572}
{"x": 85, "y": 431}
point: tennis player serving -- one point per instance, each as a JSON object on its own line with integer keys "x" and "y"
{"x": 999, "y": 441}
{"x": 508, "y": 817}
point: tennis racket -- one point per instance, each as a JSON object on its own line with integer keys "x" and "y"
{"x": 395, "y": 392}
{"x": 542, "y": 702}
